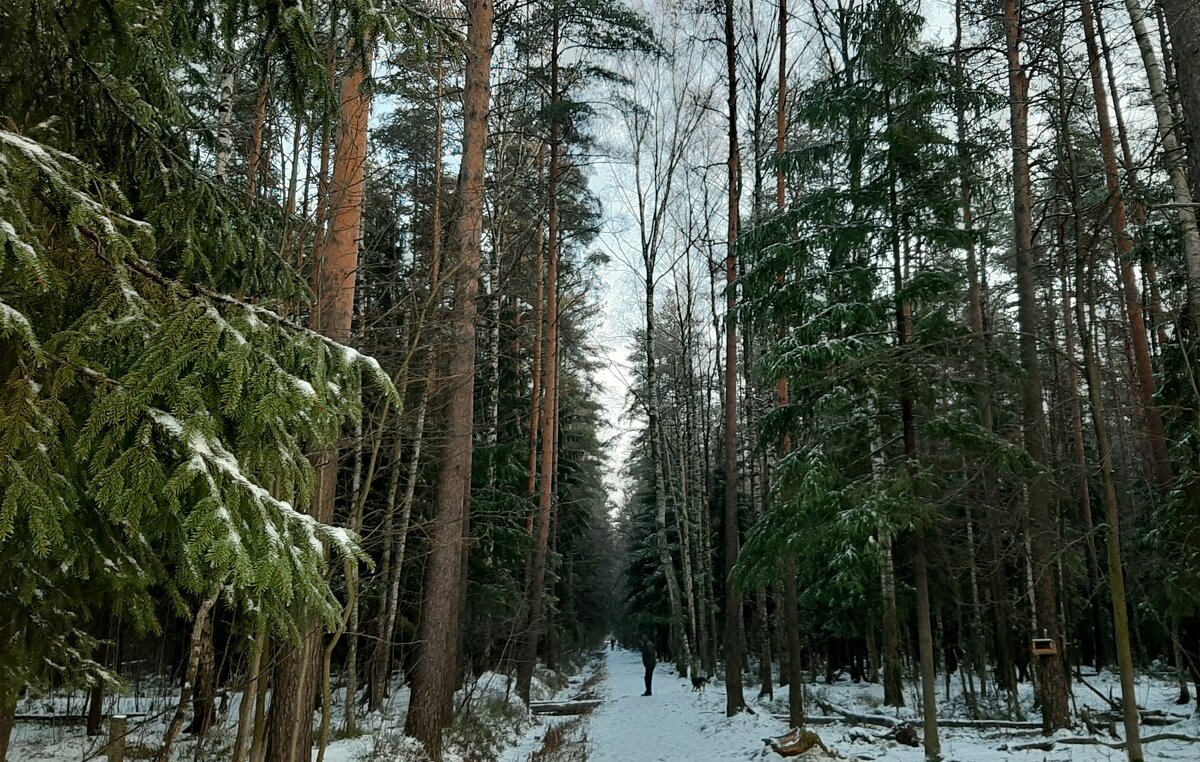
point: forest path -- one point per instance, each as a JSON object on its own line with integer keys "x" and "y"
{"x": 673, "y": 724}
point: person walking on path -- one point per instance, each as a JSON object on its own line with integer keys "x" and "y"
{"x": 648, "y": 661}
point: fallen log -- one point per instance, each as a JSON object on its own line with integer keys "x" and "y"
{"x": 65, "y": 719}
{"x": 862, "y": 719}
{"x": 811, "y": 720}
{"x": 1048, "y": 745}
{"x": 564, "y": 708}
{"x": 987, "y": 724}
{"x": 884, "y": 721}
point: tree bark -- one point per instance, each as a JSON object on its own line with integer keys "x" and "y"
{"x": 1124, "y": 245}
{"x": 224, "y": 117}
{"x": 1052, "y": 675}
{"x": 334, "y": 276}
{"x": 536, "y": 603}
{"x": 1083, "y": 287}
{"x": 246, "y": 715}
{"x": 734, "y": 700}
{"x": 254, "y": 155}
{"x": 434, "y": 682}
{"x": 199, "y": 624}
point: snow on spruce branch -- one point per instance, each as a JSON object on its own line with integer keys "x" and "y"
{"x": 206, "y": 455}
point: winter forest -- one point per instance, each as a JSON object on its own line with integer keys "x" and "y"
{"x": 414, "y": 380}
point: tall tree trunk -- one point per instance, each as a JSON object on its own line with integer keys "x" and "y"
{"x": 1124, "y": 245}
{"x": 893, "y": 676}
{"x": 909, "y": 433}
{"x": 791, "y": 613}
{"x": 734, "y": 700}
{"x": 1131, "y": 178}
{"x": 1116, "y": 577}
{"x": 1085, "y": 497}
{"x": 537, "y": 582}
{"x": 933, "y": 749}
{"x": 434, "y": 682}
{"x": 1052, "y": 675}
{"x": 334, "y": 275}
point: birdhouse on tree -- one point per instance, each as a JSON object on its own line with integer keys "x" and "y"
{"x": 1044, "y": 647}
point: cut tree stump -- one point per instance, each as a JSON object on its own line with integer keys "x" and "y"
{"x": 796, "y": 742}
{"x": 564, "y": 708}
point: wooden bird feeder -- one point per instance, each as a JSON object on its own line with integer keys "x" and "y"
{"x": 1044, "y": 647}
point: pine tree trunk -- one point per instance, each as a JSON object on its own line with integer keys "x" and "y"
{"x": 679, "y": 643}
{"x": 381, "y": 657}
{"x": 795, "y": 662}
{"x": 1137, "y": 326}
{"x": 535, "y": 403}
{"x": 1131, "y": 178}
{"x": 254, "y": 155}
{"x": 735, "y": 702}
{"x": 1177, "y": 657}
{"x": 1083, "y": 286}
{"x": 434, "y": 680}
{"x": 334, "y": 276}
{"x": 536, "y": 603}
{"x": 1052, "y": 675}
{"x": 793, "y": 675}
{"x": 326, "y": 669}
{"x": 978, "y": 652}
{"x": 933, "y": 749}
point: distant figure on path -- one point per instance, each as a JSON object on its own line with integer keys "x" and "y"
{"x": 612, "y": 643}
{"x": 648, "y": 661}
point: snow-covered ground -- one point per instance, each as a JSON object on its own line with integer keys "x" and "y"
{"x": 674, "y": 725}
{"x": 678, "y": 725}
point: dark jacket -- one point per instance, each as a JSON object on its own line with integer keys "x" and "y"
{"x": 648, "y": 659}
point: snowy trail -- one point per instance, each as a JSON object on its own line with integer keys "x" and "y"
{"x": 673, "y": 724}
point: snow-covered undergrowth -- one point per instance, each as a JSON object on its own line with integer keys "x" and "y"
{"x": 1154, "y": 694}
{"x": 490, "y": 719}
